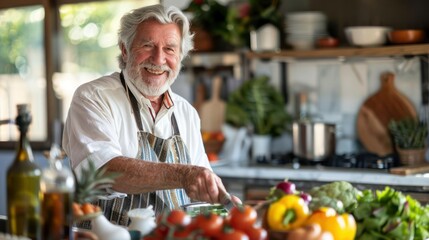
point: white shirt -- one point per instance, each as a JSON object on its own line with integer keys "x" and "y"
{"x": 100, "y": 124}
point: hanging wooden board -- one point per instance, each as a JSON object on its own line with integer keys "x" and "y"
{"x": 377, "y": 111}
{"x": 212, "y": 112}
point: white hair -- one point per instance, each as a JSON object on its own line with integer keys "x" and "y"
{"x": 164, "y": 15}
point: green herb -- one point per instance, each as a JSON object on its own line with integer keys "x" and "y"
{"x": 408, "y": 133}
{"x": 258, "y": 104}
{"x": 389, "y": 214}
{"x": 216, "y": 209}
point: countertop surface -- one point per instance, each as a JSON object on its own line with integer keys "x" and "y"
{"x": 320, "y": 173}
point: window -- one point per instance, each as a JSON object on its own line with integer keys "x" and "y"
{"x": 22, "y": 75}
{"x": 43, "y": 67}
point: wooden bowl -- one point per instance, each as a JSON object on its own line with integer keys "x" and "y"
{"x": 327, "y": 42}
{"x": 406, "y": 36}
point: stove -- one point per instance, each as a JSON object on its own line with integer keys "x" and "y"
{"x": 352, "y": 160}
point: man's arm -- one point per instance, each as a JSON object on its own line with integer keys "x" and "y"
{"x": 139, "y": 176}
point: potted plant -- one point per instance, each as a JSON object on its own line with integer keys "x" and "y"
{"x": 246, "y": 16}
{"x": 208, "y": 22}
{"x": 232, "y": 23}
{"x": 409, "y": 136}
{"x": 258, "y": 105}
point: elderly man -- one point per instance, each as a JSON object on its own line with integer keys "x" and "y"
{"x": 131, "y": 121}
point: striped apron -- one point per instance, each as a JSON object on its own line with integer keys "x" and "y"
{"x": 154, "y": 149}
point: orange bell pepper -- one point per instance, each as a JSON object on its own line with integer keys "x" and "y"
{"x": 341, "y": 226}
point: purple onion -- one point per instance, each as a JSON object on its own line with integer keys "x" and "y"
{"x": 287, "y": 187}
{"x": 306, "y": 197}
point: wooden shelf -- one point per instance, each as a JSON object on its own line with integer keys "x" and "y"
{"x": 394, "y": 50}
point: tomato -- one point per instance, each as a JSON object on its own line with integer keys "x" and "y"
{"x": 219, "y": 136}
{"x": 161, "y": 231}
{"x": 184, "y": 233}
{"x": 256, "y": 233}
{"x": 242, "y": 217}
{"x": 212, "y": 156}
{"x": 151, "y": 237}
{"x": 232, "y": 234}
{"x": 206, "y": 136}
{"x": 178, "y": 218}
{"x": 210, "y": 224}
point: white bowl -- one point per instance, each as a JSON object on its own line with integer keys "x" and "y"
{"x": 301, "y": 43}
{"x": 306, "y": 16}
{"x": 367, "y": 36}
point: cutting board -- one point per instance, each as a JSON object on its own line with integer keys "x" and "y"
{"x": 200, "y": 96}
{"x": 409, "y": 170}
{"x": 212, "y": 112}
{"x": 387, "y": 104}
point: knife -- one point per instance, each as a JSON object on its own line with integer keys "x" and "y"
{"x": 227, "y": 201}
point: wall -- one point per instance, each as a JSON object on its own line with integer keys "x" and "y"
{"x": 338, "y": 88}
{"x": 397, "y": 14}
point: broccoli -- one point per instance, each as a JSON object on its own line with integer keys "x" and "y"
{"x": 330, "y": 193}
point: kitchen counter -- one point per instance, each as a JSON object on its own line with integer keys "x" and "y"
{"x": 321, "y": 174}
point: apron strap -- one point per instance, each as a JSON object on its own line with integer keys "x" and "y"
{"x": 175, "y": 127}
{"x": 136, "y": 110}
{"x": 134, "y": 104}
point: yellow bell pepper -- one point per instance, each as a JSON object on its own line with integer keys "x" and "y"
{"x": 341, "y": 226}
{"x": 288, "y": 212}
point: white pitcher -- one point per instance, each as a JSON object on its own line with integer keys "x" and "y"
{"x": 108, "y": 231}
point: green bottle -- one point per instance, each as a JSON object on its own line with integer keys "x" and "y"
{"x": 23, "y": 185}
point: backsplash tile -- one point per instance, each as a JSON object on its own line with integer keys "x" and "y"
{"x": 340, "y": 88}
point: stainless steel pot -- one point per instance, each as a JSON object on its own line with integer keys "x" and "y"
{"x": 314, "y": 141}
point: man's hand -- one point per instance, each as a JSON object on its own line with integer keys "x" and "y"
{"x": 203, "y": 185}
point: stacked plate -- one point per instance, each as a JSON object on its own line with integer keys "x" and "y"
{"x": 304, "y": 28}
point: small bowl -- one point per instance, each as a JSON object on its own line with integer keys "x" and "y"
{"x": 406, "y": 36}
{"x": 367, "y": 36}
{"x": 327, "y": 42}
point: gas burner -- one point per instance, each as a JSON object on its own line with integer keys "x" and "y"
{"x": 352, "y": 160}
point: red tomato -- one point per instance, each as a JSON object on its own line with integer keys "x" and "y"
{"x": 151, "y": 237}
{"x": 161, "y": 231}
{"x": 210, "y": 224}
{"x": 232, "y": 234}
{"x": 219, "y": 136}
{"x": 212, "y": 157}
{"x": 184, "y": 233}
{"x": 242, "y": 217}
{"x": 256, "y": 233}
{"x": 178, "y": 218}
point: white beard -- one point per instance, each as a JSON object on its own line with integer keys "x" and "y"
{"x": 144, "y": 85}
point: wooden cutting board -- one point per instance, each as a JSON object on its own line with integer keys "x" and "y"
{"x": 377, "y": 111}
{"x": 212, "y": 112}
{"x": 200, "y": 96}
{"x": 409, "y": 170}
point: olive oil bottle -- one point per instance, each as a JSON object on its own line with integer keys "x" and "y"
{"x": 23, "y": 185}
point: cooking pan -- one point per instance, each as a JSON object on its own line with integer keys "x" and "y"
{"x": 314, "y": 141}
